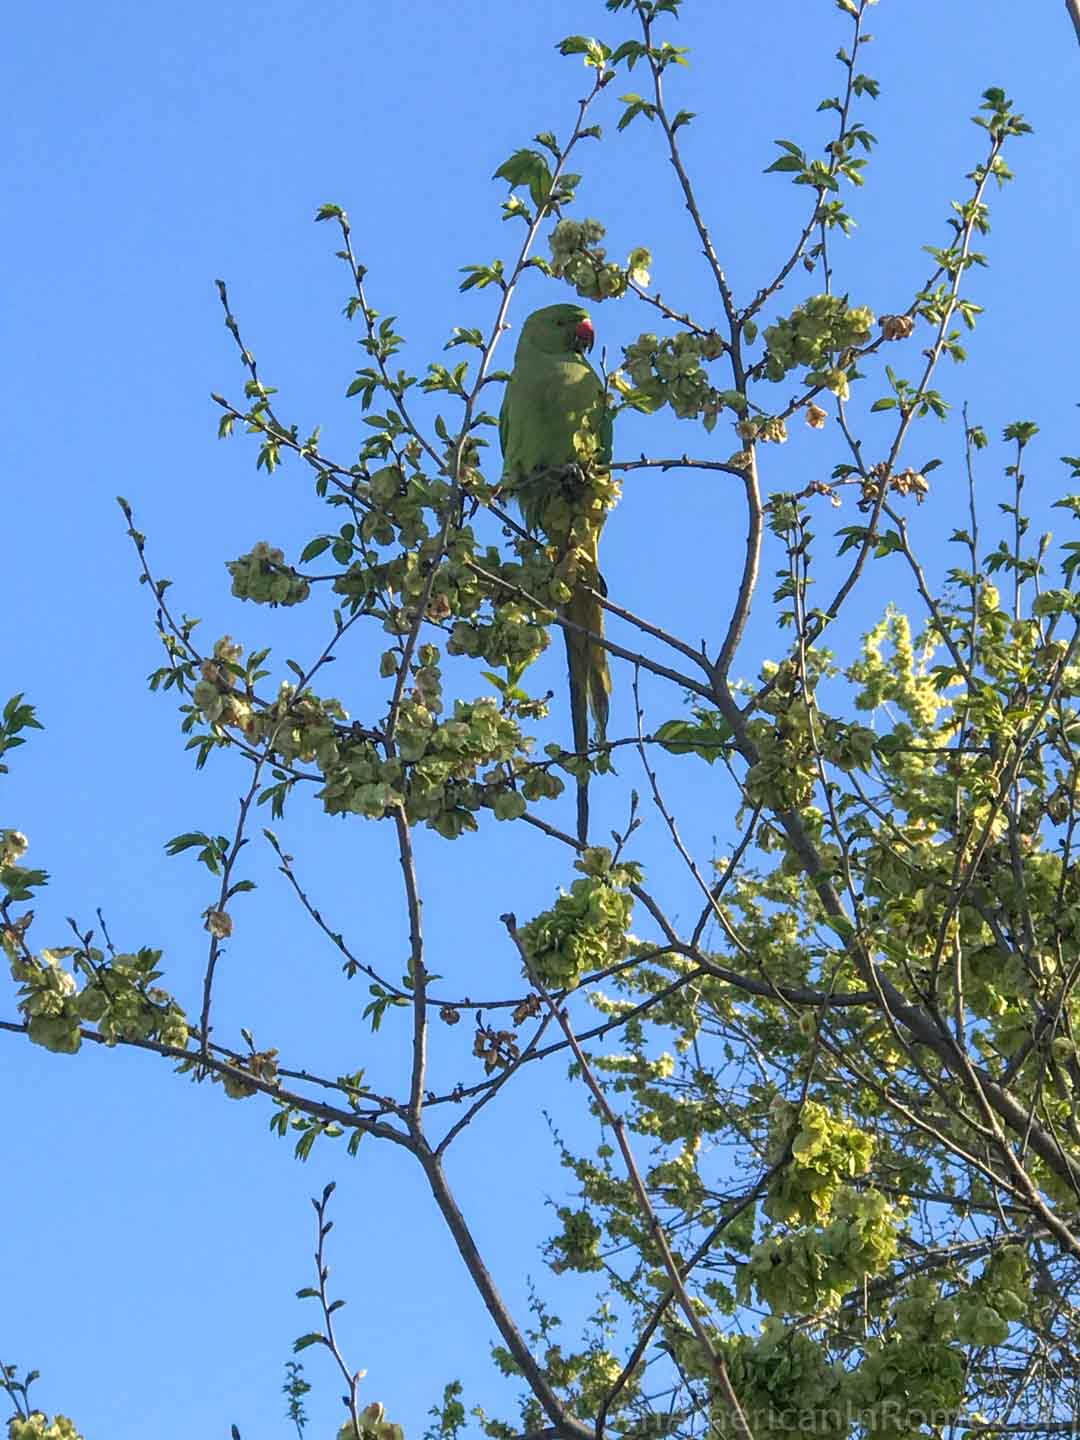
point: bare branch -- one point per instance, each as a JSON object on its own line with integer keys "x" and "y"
{"x": 565, "y": 1425}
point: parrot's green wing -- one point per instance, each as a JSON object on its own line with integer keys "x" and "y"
{"x": 504, "y": 420}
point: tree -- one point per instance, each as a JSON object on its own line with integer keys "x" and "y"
{"x": 825, "y": 1174}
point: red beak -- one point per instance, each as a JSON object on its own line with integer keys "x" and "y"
{"x": 584, "y": 334}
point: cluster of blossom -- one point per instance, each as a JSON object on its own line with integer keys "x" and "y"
{"x": 578, "y": 258}
{"x": 120, "y": 999}
{"x": 262, "y": 575}
{"x": 586, "y": 929}
{"x": 817, "y": 330}
{"x": 669, "y": 371}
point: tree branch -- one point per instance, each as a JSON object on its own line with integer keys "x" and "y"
{"x": 652, "y": 1220}
{"x": 565, "y": 1425}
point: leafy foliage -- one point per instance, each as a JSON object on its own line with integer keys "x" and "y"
{"x": 854, "y": 1074}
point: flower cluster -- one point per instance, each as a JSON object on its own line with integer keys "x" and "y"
{"x": 119, "y": 997}
{"x": 13, "y": 845}
{"x": 826, "y": 1151}
{"x": 586, "y": 929}
{"x": 36, "y": 1427}
{"x": 578, "y": 258}
{"x": 812, "y": 1269}
{"x": 262, "y": 575}
{"x": 670, "y": 371}
{"x": 822, "y": 327}
{"x": 373, "y": 1426}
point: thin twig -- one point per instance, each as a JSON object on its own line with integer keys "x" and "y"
{"x": 728, "y": 1218}
{"x": 352, "y": 1378}
{"x": 417, "y": 969}
{"x": 623, "y": 653}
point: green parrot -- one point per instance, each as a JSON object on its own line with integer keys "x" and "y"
{"x": 555, "y": 432}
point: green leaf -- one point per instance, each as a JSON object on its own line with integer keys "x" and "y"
{"x": 888, "y": 544}
{"x": 19, "y": 882}
{"x": 595, "y": 51}
{"x": 853, "y": 535}
{"x": 188, "y": 841}
{"x": 630, "y": 50}
{"x": 313, "y": 1338}
{"x": 460, "y": 336}
{"x": 529, "y": 168}
{"x": 710, "y": 737}
{"x": 482, "y": 275}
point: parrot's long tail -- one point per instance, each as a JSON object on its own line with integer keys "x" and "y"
{"x": 590, "y": 682}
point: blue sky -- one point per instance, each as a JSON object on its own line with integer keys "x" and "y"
{"x": 154, "y": 1233}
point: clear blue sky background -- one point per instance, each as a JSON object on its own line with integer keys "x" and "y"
{"x": 154, "y": 1232}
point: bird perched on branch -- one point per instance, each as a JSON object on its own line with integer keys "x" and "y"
{"x": 555, "y": 431}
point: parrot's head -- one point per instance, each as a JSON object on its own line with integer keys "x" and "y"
{"x": 558, "y": 330}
